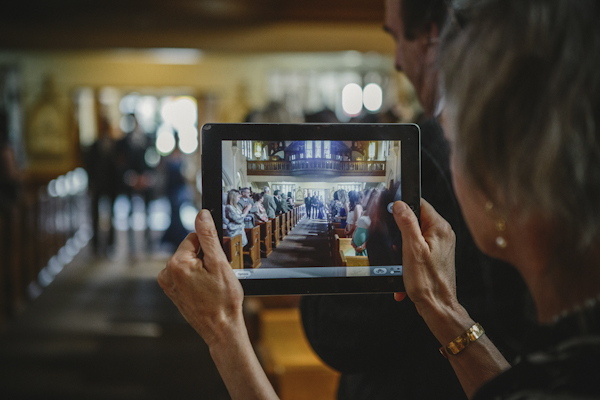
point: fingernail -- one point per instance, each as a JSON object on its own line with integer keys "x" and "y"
{"x": 400, "y": 205}
{"x": 205, "y": 215}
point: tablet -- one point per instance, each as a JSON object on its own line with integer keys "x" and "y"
{"x": 294, "y": 242}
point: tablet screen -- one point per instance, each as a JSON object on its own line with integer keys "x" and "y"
{"x": 299, "y": 204}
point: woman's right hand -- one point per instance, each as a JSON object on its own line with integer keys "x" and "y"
{"x": 204, "y": 289}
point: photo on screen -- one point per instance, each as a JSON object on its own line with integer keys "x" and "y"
{"x": 308, "y": 208}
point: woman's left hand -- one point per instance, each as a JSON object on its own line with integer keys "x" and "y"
{"x": 428, "y": 257}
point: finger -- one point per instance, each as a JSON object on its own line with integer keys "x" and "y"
{"x": 429, "y": 217}
{"x": 189, "y": 245}
{"x": 399, "y": 296}
{"x": 407, "y": 222}
{"x": 165, "y": 280}
{"x": 209, "y": 240}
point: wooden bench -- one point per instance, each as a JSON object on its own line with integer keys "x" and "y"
{"x": 266, "y": 238}
{"x": 288, "y": 219}
{"x": 283, "y": 225}
{"x": 252, "y": 249}
{"x": 294, "y": 369}
{"x": 275, "y": 231}
{"x": 353, "y": 261}
{"x": 233, "y": 250}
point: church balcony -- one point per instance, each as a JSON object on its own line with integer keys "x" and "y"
{"x": 317, "y": 166}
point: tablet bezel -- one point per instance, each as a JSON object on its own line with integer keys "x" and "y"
{"x": 213, "y": 134}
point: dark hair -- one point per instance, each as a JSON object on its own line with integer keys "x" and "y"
{"x": 522, "y": 83}
{"x": 257, "y": 196}
{"x": 335, "y": 195}
{"x": 355, "y": 198}
{"x": 418, "y": 15}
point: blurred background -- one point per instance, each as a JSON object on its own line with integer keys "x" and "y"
{"x": 100, "y": 107}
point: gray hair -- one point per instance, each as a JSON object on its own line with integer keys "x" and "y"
{"x": 267, "y": 189}
{"x": 523, "y": 83}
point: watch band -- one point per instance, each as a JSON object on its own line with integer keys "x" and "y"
{"x": 463, "y": 340}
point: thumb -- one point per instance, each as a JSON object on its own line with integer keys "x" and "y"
{"x": 208, "y": 238}
{"x": 408, "y": 224}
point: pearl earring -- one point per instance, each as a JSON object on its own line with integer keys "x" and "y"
{"x": 500, "y": 227}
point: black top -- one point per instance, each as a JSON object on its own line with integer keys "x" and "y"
{"x": 562, "y": 362}
{"x": 382, "y": 347}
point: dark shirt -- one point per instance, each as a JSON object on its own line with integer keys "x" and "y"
{"x": 382, "y": 347}
{"x": 562, "y": 362}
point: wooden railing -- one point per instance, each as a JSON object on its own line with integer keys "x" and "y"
{"x": 317, "y": 166}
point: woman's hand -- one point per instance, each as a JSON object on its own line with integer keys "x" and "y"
{"x": 429, "y": 279}
{"x": 204, "y": 288}
{"x": 428, "y": 257}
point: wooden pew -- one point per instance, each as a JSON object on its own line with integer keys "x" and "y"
{"x": 337, "y": 225}
{"x": 283, "y": 225}
{"x": 233, "y": 251}
{"x": 295, "y": 371}
{"x": 252, "y": 249}
{"x": 266, "y": 238}
{"x": 340, "y": 232}
{"x": 353, "y": 261}
{"x": 275, "y": 230}
{"x": 288, "y": 219}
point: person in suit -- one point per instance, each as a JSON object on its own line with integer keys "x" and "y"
{"x": 269, "y": 202}
{"x": 278, "y": 202}
{"x": 307, "y": 205}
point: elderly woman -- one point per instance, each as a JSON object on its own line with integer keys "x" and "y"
{"x": 235, "y": 216}
{"x": 522, "y": 91}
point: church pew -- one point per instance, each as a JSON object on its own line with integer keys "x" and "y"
{"x": 252, "y": 249}
{"x": 266, "y": 235}
{"x": 275, "y": 230}
{"x": 290, "y": 363}
{"x": 282, "y": 226}
{"x": 233, "y": 250}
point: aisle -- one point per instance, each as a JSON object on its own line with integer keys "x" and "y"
{"x": 305, "y": 246}
{"x": 105, "y": 330}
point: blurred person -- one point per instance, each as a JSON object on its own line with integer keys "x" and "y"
{"x": 335, "y": 205}
{"x": 136, "y": 177}
{"x": 385, "y": 331}
{"x": 354, "y": 212}
{"x": 178, "y": 193}
{"x": 540, "y": 212}
{"x": 10, "y": 175}
{"x": 235, "y": 216}
{"x": 321, "y": 205}
{"x": 261, "y": 212}
{"x": 103, "y": 181}
{"x": 343, "y": 214}
{"x": 278, "y": 202}
{"x": 307, "y": 204}
{"x": 363, "y": 224}
{"x": 269, "y": 202}
{"x": 290, "y": 201}
{"x": 246, "y": 199}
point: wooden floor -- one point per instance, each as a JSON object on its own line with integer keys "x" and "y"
{"x": 103, "y": 329}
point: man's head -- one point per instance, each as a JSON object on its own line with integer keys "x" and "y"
{"x": 415, "y": 26}
{"x": 245, "y": 193}
{"x": 267, "y": 190}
